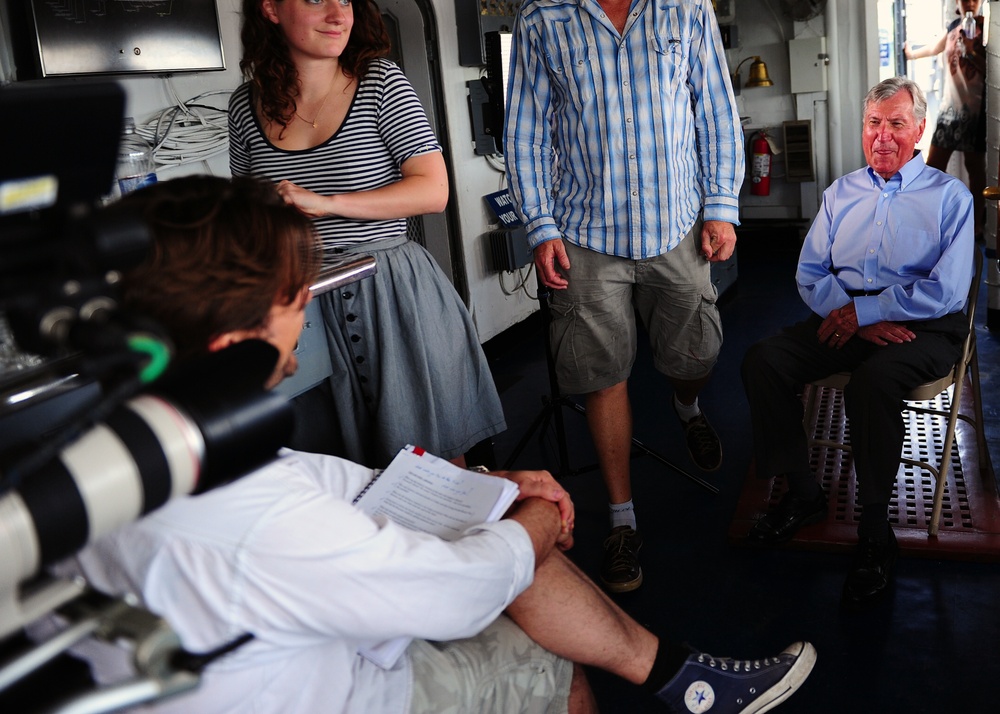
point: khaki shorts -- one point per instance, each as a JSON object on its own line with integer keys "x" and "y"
{"x": 593, "y": 328}
{"x": 501, "y": 671}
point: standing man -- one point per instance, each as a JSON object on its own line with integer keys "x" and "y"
{"x": 885, "y": 269}
{"x": 625, "y": 158}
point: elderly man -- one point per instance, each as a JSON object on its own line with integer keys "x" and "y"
{"x": 886, "y": 269}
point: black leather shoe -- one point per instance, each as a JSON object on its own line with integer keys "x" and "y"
{"x": 781, "y": 523}
{"x": 871, "y": 573}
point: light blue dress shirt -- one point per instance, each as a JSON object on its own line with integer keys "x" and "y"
{"x": 910, "y": 237}
{"x": 617, "y": 142}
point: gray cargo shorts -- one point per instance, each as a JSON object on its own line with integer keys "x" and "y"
{"x": 499, "y": 671}
{"x": 593, "y": 328}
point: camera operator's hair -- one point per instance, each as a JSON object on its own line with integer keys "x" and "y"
{"x": 223, "y": 253}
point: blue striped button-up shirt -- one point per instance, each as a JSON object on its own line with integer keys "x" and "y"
{"x": 616, "y": 142}
{"x": 910, "y": 239}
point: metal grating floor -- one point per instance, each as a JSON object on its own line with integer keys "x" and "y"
{"x": 970, "y": 516}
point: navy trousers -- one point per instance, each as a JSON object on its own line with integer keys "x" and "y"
{"x": 776, "y": 369}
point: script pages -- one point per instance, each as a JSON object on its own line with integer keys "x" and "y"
{"x": 426, "y": 493}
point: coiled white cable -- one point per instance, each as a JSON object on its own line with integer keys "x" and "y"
{"x": 187, "y": 132}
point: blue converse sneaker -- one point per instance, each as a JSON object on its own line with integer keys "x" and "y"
{"x": 722, "y": 685}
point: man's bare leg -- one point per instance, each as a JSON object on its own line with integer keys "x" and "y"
{"x": 687, "y": 389}
{"x": 568, "y": 614}
{"x": 609, "y": 416}
{"x": 581, "y": 697}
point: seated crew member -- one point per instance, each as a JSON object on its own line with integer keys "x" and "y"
{"x": 282, "y": 553}
{"x": 885, "y": 269}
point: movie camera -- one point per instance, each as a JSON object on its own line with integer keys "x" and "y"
{"x": 93, "y": 437}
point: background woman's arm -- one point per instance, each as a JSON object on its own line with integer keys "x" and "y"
{"x": 422, "y": 189}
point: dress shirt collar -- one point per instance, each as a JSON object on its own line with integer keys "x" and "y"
{"x": 911, "y": 169}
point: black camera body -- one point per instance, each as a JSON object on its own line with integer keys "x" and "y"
{"x": 130, "y": 442}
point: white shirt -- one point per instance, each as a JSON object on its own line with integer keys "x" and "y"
{"x": 283, "y": 554}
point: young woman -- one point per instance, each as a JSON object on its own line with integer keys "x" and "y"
{"x": 961, "y": 122}
{"x": 342, "y": 133}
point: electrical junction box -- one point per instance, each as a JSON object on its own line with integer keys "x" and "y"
{"x": 484, "y": 143}
{"x": 508, "y": 246}
{"x": 807, "y": 60}
{"x": 509, "y": 249}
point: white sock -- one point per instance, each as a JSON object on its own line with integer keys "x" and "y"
{"x": 622, "y": 514}
{"x": 687, "y": 412}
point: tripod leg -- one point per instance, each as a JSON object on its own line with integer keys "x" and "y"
{"x": 553, "y": 401}
{"x": 697, "y": 479}
{"x": 561, "y": 437}
{"x": 538, "y": 425}
{"x": 646, "y": 450}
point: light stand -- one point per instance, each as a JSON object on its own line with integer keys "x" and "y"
{"x": 552, "y": 404}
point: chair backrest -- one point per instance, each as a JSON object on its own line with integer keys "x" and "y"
{"x": 930, "y": 390}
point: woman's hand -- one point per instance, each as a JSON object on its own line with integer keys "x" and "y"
{"x": 307, "y": 202}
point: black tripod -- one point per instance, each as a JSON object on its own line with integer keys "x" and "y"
{"x": 552, "y": 404}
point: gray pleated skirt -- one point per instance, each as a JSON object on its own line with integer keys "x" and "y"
{"x": 408, "y": 367}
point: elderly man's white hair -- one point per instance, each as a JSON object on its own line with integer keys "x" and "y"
{"x": 888, "y": 88}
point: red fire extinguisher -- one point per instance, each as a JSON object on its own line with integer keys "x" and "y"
{"x": 760, "y": 166}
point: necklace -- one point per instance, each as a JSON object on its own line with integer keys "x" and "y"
{"x": 318, "y": 111}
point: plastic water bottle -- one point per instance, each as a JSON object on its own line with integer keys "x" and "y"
{"x": 969, "y": 27}
{"x": 136, "y": 167}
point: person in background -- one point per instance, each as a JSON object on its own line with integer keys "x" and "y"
{"x": 502, "y": 620}
{"x": 961, "y": 121}
{"x": 885, "y": 269}
{"x": 625, "y": 158}
{"x": 341, "y": 132}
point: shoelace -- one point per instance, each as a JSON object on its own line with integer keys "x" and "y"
{"x": 724, "y": 663}
{"x": 700, "y": 432}
{"x": 623, "y": 556}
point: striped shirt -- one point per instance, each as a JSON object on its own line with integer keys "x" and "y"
{"x": 385, "y": 125}
{"x": 617, "y": 142}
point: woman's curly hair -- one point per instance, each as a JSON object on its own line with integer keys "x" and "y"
{"x": 267, "y": 64}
